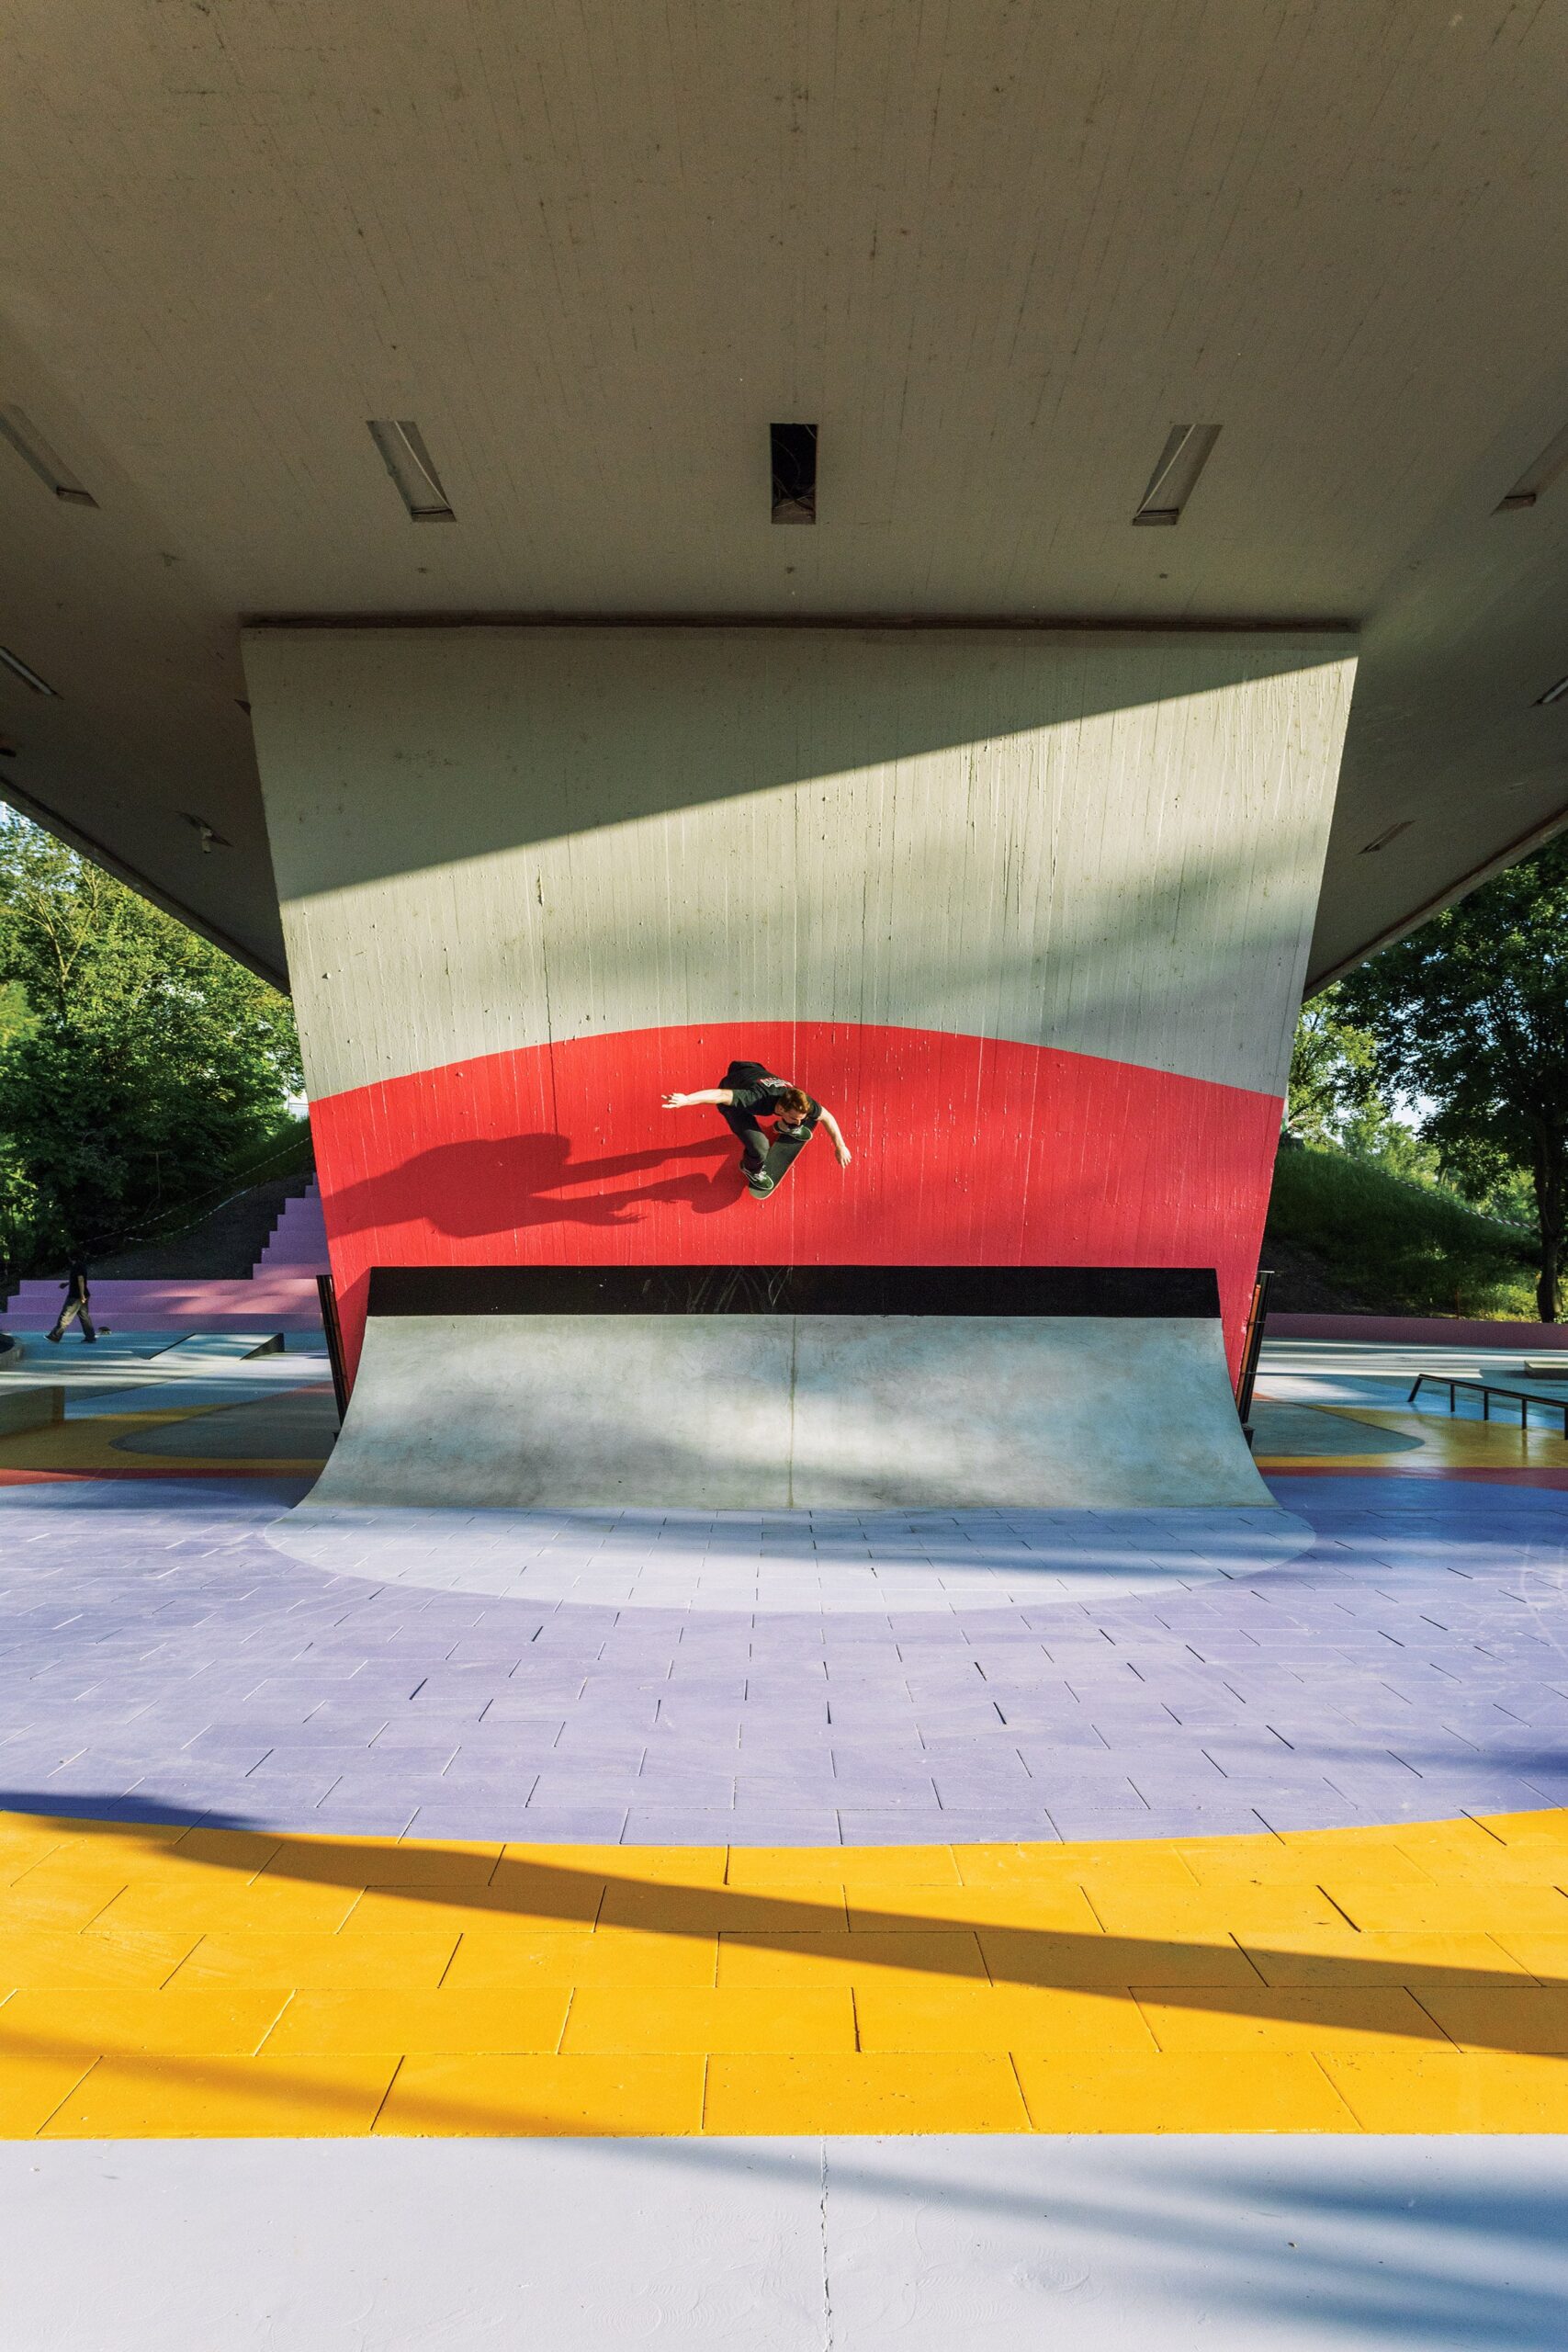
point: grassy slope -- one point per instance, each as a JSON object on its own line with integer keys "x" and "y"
{"x": 1346, "y": 1235}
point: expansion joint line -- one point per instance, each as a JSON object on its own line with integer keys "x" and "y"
{"x": 793, "y": 1357}
{"x": 822, "y": 2228}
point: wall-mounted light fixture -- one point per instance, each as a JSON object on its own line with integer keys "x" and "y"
{"x": 29, "y": 676}
{"x": 1186, "y": 453}
{"x": 413, "y": 468}
{"x": 1536, "y": 480}
{"x": 50, "y": 467}
{"x": 1389, "y": 833}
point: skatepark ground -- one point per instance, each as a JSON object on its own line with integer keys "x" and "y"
{"x": 790, "y": 1928}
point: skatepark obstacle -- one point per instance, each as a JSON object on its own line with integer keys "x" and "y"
{"x": 777, "y": 1388}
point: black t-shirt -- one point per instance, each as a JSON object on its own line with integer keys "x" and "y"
{"x": 760, "y": 1096}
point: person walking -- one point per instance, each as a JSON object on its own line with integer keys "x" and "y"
{"x": 77, "y": 1304}
{"x": 750, "y": 1094}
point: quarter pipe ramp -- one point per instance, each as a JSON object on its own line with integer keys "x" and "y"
{"x": 769, "y": 1388}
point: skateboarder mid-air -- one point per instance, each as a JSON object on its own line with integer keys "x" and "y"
{"x": 751, "y": 1093}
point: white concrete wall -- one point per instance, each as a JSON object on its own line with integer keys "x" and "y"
{"x": 497, "y": 838}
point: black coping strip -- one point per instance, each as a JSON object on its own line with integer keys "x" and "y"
{"x": 1132, "y": 1290}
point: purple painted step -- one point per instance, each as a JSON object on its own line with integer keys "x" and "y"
{"x": 298, "y": 1243}
{"x": 264, "y": 1301}
{"x": 1421, "y": 1330}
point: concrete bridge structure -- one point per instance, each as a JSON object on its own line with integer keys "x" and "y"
{"x": 1163, "y": 419}
{"x": 964, "y": 553}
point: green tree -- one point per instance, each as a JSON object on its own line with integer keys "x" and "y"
{"x": 144, "y": 1062}
{"x": 1470, "y": 1012}
{"x": 1333, "y": 1072}
{"x": 1334, "y": 1101}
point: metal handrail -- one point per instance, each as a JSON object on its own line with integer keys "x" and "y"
{"x": 1487, "y": 1389}
{"x": 1252, "y": 1344}
{"x": 327, "y": 1291}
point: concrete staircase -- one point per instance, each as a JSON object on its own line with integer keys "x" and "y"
{"x": 298, "y": 1240}
{"x": 277, "y": 1294}
{"x": 261, "y": 1302}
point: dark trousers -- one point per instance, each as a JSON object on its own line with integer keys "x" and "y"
{"x": 763, "y": 1155}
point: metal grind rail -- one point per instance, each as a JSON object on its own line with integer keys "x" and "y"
{"x": 1486, "y": 1390}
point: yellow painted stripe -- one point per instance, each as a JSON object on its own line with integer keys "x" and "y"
{"x": 169, "y": 1983}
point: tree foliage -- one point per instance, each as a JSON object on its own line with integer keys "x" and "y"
{"x": 1469, "y": 1013}
{"x": 143, "y": 1061}
{"x": 1333, "y": 1096}
{"x": 1337, "y": 1102}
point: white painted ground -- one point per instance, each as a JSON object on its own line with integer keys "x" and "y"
{"x": 983, "y": 2244}
{"x": 785, "y": 1562}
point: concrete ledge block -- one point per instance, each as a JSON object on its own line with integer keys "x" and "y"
{"x": 31, "y": 1408}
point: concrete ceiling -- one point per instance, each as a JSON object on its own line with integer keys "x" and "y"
{"x": 995, "y": 250}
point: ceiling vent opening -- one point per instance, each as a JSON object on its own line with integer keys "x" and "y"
{"x": 413, "y": 468}
{"x": 1174, "y": 479}
{"x": 795, "y": 472}
{"x": 30, "y": 677}
{"x": 52, "y": 469}
{"x": 1537, "y": 479}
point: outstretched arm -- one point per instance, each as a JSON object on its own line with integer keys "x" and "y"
{"x": 717, "y": 1095}
{"x": 835, "y": 1136}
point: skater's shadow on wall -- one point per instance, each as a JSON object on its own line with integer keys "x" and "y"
{"x": 504, "y": 1184}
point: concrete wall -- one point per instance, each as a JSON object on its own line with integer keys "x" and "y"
{"x": 1028, "y": 909}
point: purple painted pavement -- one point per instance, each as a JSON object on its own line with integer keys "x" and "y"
{"x": 158, "y": 1656}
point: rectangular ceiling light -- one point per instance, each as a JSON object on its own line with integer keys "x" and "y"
{"x": 795, "y": 472}
{"x": 1174, "y": 479}
{"x": 1552, "y": 694}
{"x": 18, "y": 669}
{"x": 1389, "y": 833}
{"x": 33, "y": 450}
{"x": 410, "y": 463}
{"x": 1536, "y": 480}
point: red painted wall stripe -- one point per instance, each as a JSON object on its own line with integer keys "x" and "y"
{"x": 967, "y": 1152}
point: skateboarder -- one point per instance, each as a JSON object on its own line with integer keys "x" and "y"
{"x": 76, "y": 1302}
{"x": 751, "y": 1093}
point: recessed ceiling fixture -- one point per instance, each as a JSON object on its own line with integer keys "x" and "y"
{"x": 1537, "y": 479}
{"x": 1174, "y": 479}
{"x": 795, "y": 472}
{"x": 410, "y": 463}
{"x": 34, "y": 450}
{"x": 18, "y": 669}
{"x": 1552, "y": 694}
{"x": 1389, "y": 833}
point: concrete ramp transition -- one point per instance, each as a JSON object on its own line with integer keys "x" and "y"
{"x": 795, "y": 1389}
